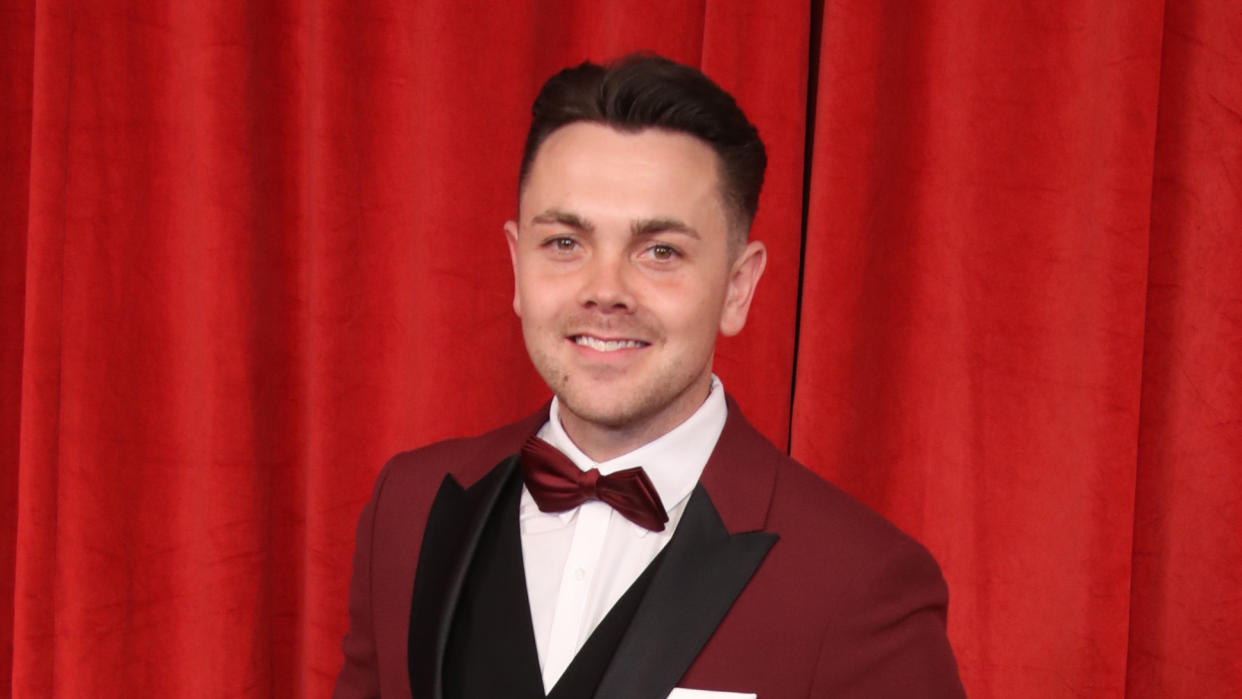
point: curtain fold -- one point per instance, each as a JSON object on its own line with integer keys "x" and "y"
{"x": 1187, "y": 567}
{"x": 16, "y": 33}
{"x": 252, "y": 249}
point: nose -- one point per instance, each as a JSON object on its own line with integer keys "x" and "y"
{"x": 605, "y": 285}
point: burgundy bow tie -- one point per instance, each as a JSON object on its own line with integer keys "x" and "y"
{"x": 557, "y": 485}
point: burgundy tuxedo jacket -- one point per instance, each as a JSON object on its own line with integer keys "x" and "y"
{"x": 775, "y": 582}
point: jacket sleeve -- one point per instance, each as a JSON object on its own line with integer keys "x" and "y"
{"x": 894, "y": 643}
{"x": 359, "y": 677}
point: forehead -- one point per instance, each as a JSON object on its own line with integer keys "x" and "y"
{"x": 597, "y": 170}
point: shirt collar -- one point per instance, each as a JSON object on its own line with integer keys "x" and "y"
{"x": 673, "y": 461}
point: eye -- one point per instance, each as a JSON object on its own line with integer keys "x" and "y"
{"x": 663, "y": 252}
{"x": 561, "y": 244}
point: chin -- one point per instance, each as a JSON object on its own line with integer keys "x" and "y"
{"x": 612, "y": 416}
{"x": 635, "y": 409}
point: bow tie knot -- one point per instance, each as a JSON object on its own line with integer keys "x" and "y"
{"x": 558, "y": 485}
{"x": 588, "y": 483}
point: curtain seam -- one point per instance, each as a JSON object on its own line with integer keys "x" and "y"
{"x": 816, "y": 8}
{"x": 1138, "y": 431}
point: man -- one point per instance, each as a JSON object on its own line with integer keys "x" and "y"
{"x": 637, "y": 538}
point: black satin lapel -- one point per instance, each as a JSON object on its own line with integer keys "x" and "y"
{"x": 703, "y": 571}
{"x": 454, "y": 524}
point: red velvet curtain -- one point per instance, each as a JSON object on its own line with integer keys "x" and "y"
{"x": 251, "y": 249}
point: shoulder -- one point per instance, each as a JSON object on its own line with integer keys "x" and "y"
{"x": 466, "y": 459}
{"x": 814, "y": 512}
{"x": 879, "y": 595}
{"x": 757, "y": 485}
{"x": 843, "y": 591}
{"x": 850, "y": 551}
{"x": 833, "y": 541}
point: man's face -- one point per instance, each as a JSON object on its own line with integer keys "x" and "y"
{"x": 624, "y": 276}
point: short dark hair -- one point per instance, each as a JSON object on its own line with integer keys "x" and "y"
{"x": 645, "y": 91}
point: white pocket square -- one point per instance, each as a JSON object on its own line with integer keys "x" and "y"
{"x": 681, "y": 693}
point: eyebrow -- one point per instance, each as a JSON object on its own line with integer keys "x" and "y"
{"x": 564, "y": 218}
{"x": 639, "y": 228}
{"x": 651, "y": 226}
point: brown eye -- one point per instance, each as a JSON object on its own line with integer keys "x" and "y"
{"x": 663, "y": 252}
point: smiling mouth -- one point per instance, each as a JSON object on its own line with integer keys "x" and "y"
{"x": 601, "y": 345}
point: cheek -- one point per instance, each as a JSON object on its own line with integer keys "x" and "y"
{"x": 545, "y": 301}
{"x": 692, "y": 310}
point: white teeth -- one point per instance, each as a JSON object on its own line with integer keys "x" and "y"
{"x": 606, "y": 345}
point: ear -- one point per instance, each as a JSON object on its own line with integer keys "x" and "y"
{"x": 744, "y": 276}
{"x": 511, "y": 235}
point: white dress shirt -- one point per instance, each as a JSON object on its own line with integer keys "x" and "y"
{"x": 578, "y": 563}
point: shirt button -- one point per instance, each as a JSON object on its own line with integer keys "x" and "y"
{"x": 579, "y": 575}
